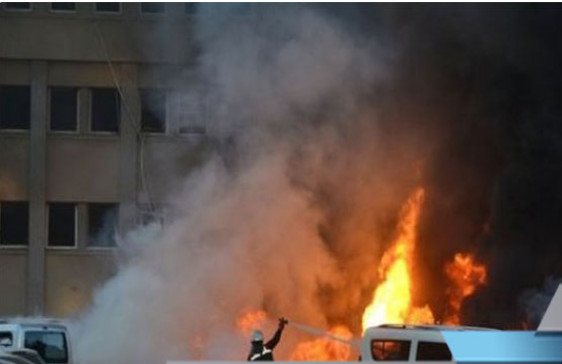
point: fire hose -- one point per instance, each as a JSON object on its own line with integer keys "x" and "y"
{"x": 325, "y": 334}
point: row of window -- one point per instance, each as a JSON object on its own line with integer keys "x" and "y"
{"x": 399, "y": 350}
{"x": 106, "y": 7}
{"x": 104, "y": 110}
{"x": 62, "y": 224}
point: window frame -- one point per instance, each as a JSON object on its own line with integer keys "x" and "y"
{"x": 76, "y": 221}
{"x": 384, "y": 340}
{"x": 145, "y": 13}
{"x": 105, "y": 12}
{"x": 27, "y": 10}
{"x": 91, "y": 112}
{"x": 63, "y": 11}
{"x": 16, "y": 130}
{"x": 88, "y": 243}
{"x": 14, "y": 246}
{"x": 77, "y": 116}
{"x": 167, "y": 112}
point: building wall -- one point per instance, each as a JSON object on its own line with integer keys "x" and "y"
{"x": 84, "y": 49}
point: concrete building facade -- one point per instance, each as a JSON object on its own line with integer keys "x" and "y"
{"x": 91, "y": 124}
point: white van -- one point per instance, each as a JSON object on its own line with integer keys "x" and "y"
{"x": 408, "y": 343}
{"x": 37, "y": 341}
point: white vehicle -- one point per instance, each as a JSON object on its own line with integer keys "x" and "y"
{"x": 409, "y": 343}
{"x": 34, "y": 341}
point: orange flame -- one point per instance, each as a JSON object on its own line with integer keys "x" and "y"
{"x": 250, "y": 321}
{"x": 392, "y": 300}
{"x": 465, "y": 276}
{"x": 323, "y": 349}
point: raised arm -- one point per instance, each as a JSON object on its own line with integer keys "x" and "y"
{"x": 271, "y": 344}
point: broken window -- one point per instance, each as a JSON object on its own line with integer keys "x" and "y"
{"x": 152, "y": 8}
{"x": 105, "y": 110}
{"x": 63, "y": 110}
{"x": 102, "y": 224}
{"x": 63, "y": 6}
{"x": 15, "y": 104}
{"x": 153, "y": 110}
{"x": 17, "y": 6}
{"x": 108, "y": 7}
{"x": 62, "y": 224}
{"x": 14, "y": 223}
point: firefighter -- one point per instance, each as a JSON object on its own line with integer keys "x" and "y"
{"x": 264, "y": 352}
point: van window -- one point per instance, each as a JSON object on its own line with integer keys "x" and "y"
{"x": 428, "y": 351}
{"x": 390, "y": 350}
{"x": 6, "y": 339}
{"x": 51, "y": 346}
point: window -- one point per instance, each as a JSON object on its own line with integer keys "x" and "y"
{"x": 108, "y": 7}
{"x": 15, "y": 104}
{"x": 62, "y": 224}
{"x": 14, "y": 223}
{"x": 6, "y": 339}
{"x": 63, "y": 6}
{"x": 17, "y": 6}
{"x": 51, "y": 346}
{"x": 428, "y": 351}
{"x": 152, "y": 8}
{"x": 63, "y": 113}
{"x": 190, "y": 8}
{"x": 102, "y": 224}
{"x": 105, "y": 110}
{"x": 153, "y": 110}
{"x": 191, "y": 117}
{"x": 390, "y": 350}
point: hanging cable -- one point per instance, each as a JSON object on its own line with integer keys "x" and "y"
{"x": 130, "y": 117}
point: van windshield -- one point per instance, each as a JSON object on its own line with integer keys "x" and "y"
{"x": 50, "y": 345}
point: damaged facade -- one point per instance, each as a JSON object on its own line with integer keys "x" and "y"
{"x": 90, "y": 128}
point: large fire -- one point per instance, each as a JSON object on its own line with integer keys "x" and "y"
{"x": 250, "y": 321}
{"x": 392, "y": 300}
{"x": 465, "y": 276}
{"x": 324, "y": 350}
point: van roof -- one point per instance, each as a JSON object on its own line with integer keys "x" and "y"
{"x": 43, "y": 322}
{"x": 431, "y": 327}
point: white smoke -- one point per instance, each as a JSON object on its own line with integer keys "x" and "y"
{"x": 246, "y": 232}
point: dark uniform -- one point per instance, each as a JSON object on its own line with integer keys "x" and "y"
{"x": 264, "y": 352}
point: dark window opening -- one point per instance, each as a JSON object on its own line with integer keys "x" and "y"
{"x": 63, "y": 113}
{"x": 152, "y": 8}
{"x": 105, "y": 110}
{"x": 390, "y": 350}
{"x": 62, "y": 224}
{"x": 153, "y": 111}
{"x": 15, "y": 104}
{"x": 17, "y": 6}
{"x": 190, "y": 8}
{"x": 63, "y": 6}
{"x": 428, "y": 351}
{"x": 51, "y": 346}
{"x": 6, "y": 339}
{"x": 14, "y": 223}
{"x": 108, "y": 7}
{"x": 102, "y": 224}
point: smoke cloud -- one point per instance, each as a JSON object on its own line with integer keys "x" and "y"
{"x": 322, "y": 120}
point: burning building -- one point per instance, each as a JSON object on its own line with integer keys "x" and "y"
{"x": 361, "y": 164}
